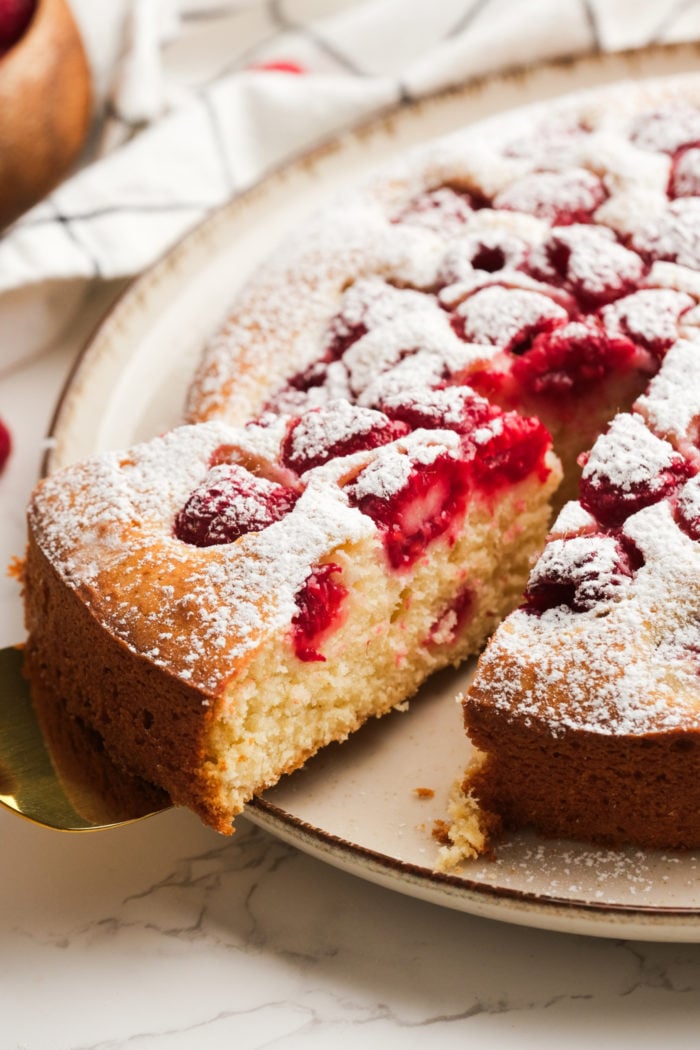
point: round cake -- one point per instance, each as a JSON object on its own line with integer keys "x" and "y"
{"x": 373, "y": 446}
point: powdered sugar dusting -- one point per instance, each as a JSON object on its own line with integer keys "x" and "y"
{"x": 557, "y": 196}
{"x": 499, "y": 315}
{"x": 628, "y": 456}
{"x": 671, "y": 404}
{"x": 391, "y": 469}
{"x": 685, "y": 178}
{"x": 650, "y": 317}
{"x": 667, "y": 128}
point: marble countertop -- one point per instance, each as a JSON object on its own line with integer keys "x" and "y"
{"x": 163, "y": 934}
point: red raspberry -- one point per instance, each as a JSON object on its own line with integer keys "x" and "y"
{"x": 562, "y": 198}
{"x": 582, "y": 572}
{"x": 337, "y": 430}
{"x": 319, "y": 604}
{"x": 229, "y": 503}
{"x": 427, "y": 505}
{"x": 572, "y": 360}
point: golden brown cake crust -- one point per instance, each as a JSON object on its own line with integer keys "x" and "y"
{"x": 96, "y": 677}
{"x": 602, "y": 788}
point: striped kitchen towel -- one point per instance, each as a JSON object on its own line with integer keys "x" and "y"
{"x": 197, "y": 99}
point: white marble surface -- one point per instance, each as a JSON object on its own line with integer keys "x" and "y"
{"x": 165, "y": 935}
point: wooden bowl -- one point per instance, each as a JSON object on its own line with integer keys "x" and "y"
{"x": 45, "y": 108}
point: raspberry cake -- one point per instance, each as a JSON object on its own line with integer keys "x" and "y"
{"x": 368, "y": 472}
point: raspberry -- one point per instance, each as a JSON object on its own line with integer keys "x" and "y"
{"x": 509, "y": 318}
{"x": 508, "y": 450}
{"x": 672, "y": 236}
{"x": 443, "y": 209}
{"x": 629, "y": 468}
{"x": 589, "y": 263}
{"x": 489, "y": 251}
{"x": 450, "y": 408}
{"x": 229, "y": 503}
{"x": 649, "y": 317}
{"x": 561, "y": 198}
{"x": 429, "y": 502}
{"x": 337, "y": 430}
{"x": 570, "y": 361}
{"x": 319, "y": 604}
{"x": 581, "y": 573}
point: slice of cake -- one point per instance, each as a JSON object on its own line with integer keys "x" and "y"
{"x": 219, "y": 603}
{"x": 586, "y": 707}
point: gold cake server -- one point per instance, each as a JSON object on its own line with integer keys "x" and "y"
{"x": 53, "y": 770}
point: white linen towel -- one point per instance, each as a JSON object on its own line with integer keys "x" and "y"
{"x": 197, "y": 99}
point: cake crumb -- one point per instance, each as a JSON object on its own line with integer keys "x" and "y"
{"x": 423, "y": 792}
{"x": 15, "y": 568}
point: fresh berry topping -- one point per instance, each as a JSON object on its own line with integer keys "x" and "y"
{"x": 455, "y": 408}
{"x": 672, "y": 236}
{"x": 321, "y": 382}
{"x": 314, "y": 375}
{"x": 589, "y": 263}
{"x": 444, "y": 210}
{"x": 229, "y": 503}
{"x": 581, "y": 573}
{"x": 489, "y": 257}
{"x": 687, "y": 510}
{"x": 509, "y": 448}
{"x": 15, "y": 16}
{"x": 367, "y": 304}
{"x": 684, "y": 180}
{"x": 570, "y": 361}
{"x": 629, "y": 468}
{"x": 413, "y": 501}
{"x": 487, "y": 252}
{"x": 509, "y": 318}
{"x": 319, "y": 611}
{"x": 419, "y": 349}
{"x": 342, "y": 333}
{"x": 336, "y": 430}
{"x": 447, "y": 627}
{"x": 649, "y": 317}
{"x": 5, "y": 446}
{"x": 561, "y": 198}
{"x": 667, "y": 130}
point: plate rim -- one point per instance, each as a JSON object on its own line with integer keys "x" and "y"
{"x": 267, "y": 815}
{"x": 592, "y": 917}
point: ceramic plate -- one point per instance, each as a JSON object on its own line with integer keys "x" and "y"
{"x": 363, "y": 806}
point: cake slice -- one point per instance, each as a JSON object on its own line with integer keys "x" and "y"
{"x": 585, "y": 707}
{"x": 221, "y": 602}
